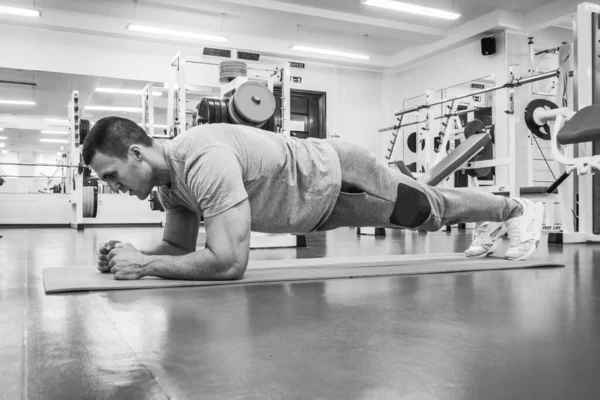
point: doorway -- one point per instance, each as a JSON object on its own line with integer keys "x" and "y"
{"x": 307, "y": 113}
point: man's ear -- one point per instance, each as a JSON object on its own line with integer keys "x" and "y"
{"x": 134, "y": 151}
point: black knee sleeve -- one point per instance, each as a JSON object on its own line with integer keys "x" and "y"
{"x": 412, "y": 207}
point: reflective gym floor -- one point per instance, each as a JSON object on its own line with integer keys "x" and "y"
{"x": 517, "y": 334}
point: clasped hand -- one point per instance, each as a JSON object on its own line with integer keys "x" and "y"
{"x": 121, "y": 259}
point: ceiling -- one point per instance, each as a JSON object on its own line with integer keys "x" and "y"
{"x": 271, "y": 27}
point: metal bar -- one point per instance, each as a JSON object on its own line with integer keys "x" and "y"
{"x": 32, "y": 176}
{"x": 389, "y": 128}
{"x": 43, "y": 165}
{"x": 33, "y": 84}
{"x": 534, "y": 78}
{"x": 516, "y": 83}
{"x": 497, "y": 162}
{"x": 458, "y": 113}
{"x": 547, "y": 51}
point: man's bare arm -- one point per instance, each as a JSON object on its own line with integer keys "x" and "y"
{"x": 179, "y": 236}
{"x": 225, "y": 256}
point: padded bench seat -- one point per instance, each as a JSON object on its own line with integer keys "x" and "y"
{"x": 584, "y": 127}
{"x": 463, "y": 153}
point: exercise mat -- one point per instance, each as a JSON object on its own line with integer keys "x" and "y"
{"x": 74, "y": 279}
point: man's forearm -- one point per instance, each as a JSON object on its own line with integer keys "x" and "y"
{"x": 165, "y": 248}
{"x": 199, "y": 265}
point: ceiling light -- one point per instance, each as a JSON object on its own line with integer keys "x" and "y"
{"x": 55, "y": 132}
{"x": 57, "y": 121}
{"x": 171, "y": 32}
{"x": 110, "y": 108}
{"x": 18, "y": 102}
{"x": 3, "y": 137}
{"x": 156, "y": 126}
{"x": 412, "y": 9}
{"x": 1, "y": 144}
{"x": 1, "y": 129}
{"x": 23, "y": 12}
{"x": 54, "y": 141}
{"x": 125, "y": 91}
{"x": 4, "y": 151}
{"x": 331, "y": 52}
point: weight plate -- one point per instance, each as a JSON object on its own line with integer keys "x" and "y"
{"x": 231, "y": 69}
{"x": 474, "y": 127}
{"x": 254, "y": 102}
{"x": 224, "y": 111}
{"x": 216, "y": 104}
{"x": 211, "y": 111}
{"x": 203, "y": 116}
{"x": 480, "y": 172}
{"x": 411, "y": 142}
{"x": 233, "y": 113}
{"x": 90, "y": 201}
{"x": 541, "y": 131}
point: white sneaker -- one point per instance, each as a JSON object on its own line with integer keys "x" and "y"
{"x": 485, "y": 239}
{"x": 524, "y": 232}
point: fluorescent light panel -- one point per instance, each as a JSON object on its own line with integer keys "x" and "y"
{"x": 3, "y": 137}
{"x": 17, "y": 102}
{"x": 115, "y": 109}
{"x": 330, "y": 52}
{"x": 23, "y": 12}
{"x": 172, "y": 32}
{"x": 55, "y": 132}
{"x": 157, "y": 126}
{"x": 1, "y": 129}
{"x": 4, "y": 151}
{"x": 57, "y": 121}
{"x": 124, "y": 91}
{"x": 54, "y": 141}
{"x": 1, "y": 144}
{"x": 412, "y": 9}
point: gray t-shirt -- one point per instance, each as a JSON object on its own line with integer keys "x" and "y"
{"x": 292, "y": 184}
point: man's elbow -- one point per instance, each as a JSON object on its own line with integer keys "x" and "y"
{"x": 236, "y": 271}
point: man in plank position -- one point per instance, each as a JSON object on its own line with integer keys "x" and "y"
{"x": 242, "y": 179}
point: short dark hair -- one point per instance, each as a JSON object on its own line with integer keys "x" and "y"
{"x": 113, "y": 136}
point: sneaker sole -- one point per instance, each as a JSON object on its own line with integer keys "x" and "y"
{"x": 493, "y": 248}
{"x": 489, "y": 253}
{"x": 539, "y": 215}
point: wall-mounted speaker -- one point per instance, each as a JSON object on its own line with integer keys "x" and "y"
{"x": 488, "y": 46}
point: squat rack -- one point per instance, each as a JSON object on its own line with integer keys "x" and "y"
{"x": 177, "y": 111}
{"x": 427, "y": 160}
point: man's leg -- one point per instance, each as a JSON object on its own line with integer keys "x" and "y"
{"x": 375, "y": 195}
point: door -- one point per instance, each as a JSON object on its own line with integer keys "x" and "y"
{"x": 307, "y": 113}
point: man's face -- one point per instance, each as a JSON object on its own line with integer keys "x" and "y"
{"x": 133, "y": 175}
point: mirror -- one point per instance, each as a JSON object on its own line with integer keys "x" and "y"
{"x": 34, "y": 122}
